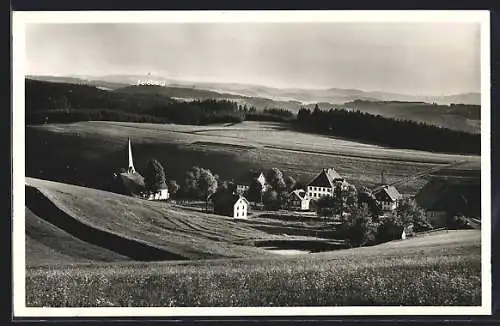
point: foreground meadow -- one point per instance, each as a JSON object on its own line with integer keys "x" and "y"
{"x": 434, "y": 270}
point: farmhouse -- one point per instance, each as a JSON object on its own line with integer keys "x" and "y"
{"x": 388, "y": 197}
{"x": 244, "y": 182}
{"x": 446, "y": 196}
{"x": 233, "y": 205}
{"x": 324, "y": 183}
{"x": 298, "y": 200}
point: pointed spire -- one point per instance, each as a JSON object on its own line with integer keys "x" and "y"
{"x": 131, "y": 168}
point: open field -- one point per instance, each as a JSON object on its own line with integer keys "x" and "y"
{"x": 94, "y": 225}
{"x": 437, "y": 269}
{"x": 86, "y": 153}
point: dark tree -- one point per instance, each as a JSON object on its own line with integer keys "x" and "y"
{"x": 200, "y": 183}
{"x": 410, "y": 213}
{"x": 173, "y": 187}
{"x": 325, "y": 206}
{"x": 154, "y": 178}
{"x": 359, "y": 230}
{"x": 275, "y": 179}
{"x": 254, "y": 192}
{"x": 271, "y": 200}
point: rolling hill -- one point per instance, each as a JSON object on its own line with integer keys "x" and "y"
{"x": 67, "y": 223}
{"x": 335, "y": 96}
{"x": 48, "y": 93}
{"x": 87, "y": 153}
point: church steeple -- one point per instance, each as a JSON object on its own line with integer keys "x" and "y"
{"x": 131, "y": 168}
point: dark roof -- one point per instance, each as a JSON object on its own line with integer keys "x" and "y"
{"x": 326, "y": 178}
{"x": 224, "y": 202}
{"x": 385, "y": 193}
{"x": 451, "y": 195}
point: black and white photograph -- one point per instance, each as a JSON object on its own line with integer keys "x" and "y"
{"x": 253, "y": 163}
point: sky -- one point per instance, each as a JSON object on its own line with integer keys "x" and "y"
{"x": 410, "y": 58}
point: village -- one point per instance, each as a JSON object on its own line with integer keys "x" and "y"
{"x": 327, "y": 195}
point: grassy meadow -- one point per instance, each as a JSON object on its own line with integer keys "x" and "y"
{"x": 86, "y": 153}
{"x": 439, "y": 269}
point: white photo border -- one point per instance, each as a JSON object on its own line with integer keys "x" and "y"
{"x": 21, "y": 18}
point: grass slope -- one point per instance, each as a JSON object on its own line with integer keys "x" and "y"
{"x": 436, "y": 269}
{"x": 140, "y": 229}
{"x": 86, "y": 153}
{"x": 46, "y": 243}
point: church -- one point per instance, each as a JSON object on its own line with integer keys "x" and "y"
{"x": 133, "y": 182}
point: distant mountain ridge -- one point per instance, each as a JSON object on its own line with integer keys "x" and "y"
{"x": 335, "y": 96}
{"x": 116, "y": 89}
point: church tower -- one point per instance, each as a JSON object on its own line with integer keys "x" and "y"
{"x": 131, "y": 168}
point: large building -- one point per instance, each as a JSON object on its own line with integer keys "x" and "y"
{"x": 450, "y": 194}
{"x": 324, "y": 184}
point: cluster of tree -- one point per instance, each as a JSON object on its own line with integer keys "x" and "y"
{"x": 200, "y": 183}
{"x": 272, "y": 114}
{"x": 198, "y": 112}
{"x": 75, "y": 115}
{"x": 391, "y": 132}
{"x": 361, "y": 228}
{"x": 277, "y": 188}
{"x": 47, "y": 96}
{"x": 344, "y": 200}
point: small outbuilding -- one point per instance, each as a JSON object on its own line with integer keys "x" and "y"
{"x": 388, "y": 197}
{"x": 298, "y": 200}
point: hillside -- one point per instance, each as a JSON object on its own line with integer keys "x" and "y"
{"x": 456, "y": 117}
{"x": 66, "y": 223}
{"x": 87, "y": 153}
{"x": 77, "y": 93}
{"x": 46, "y": 96}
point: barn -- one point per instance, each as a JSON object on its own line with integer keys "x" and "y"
{"x": 451, "y": 194}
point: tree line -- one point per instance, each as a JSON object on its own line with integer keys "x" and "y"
{"x": 385, "y": 131}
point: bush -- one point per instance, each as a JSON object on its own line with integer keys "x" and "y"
{"x": 359, "y": 229}
{"x": 271, "y": 200}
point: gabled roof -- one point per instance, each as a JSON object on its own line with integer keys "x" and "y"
{"x": 298, "y": 194}
{"x": 326, "y": 178}
{"x": 387, "y": 193}
{"x": 249, "y": 177}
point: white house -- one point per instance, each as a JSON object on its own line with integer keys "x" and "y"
{"x": 240, "y": 208}
{"x": 161, "y": 194}
{"x": 233, "y": 205}
{"x": 388, "y": 197}
{"x": 324, "y": 184}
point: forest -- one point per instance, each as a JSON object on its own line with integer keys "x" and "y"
{"x": 385, "y": 131}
